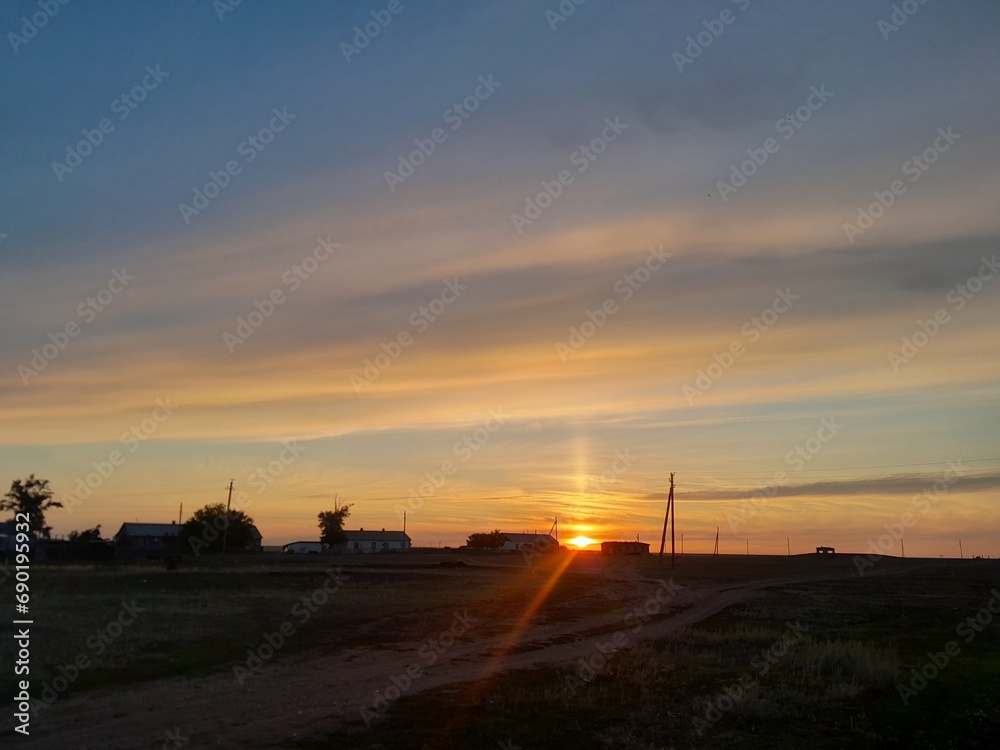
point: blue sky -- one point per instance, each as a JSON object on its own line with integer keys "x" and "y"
{"x": 889, "y": 94}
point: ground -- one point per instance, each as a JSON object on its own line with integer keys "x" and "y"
{"x": 496, "y": 651}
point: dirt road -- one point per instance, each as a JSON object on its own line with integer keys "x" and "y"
{"x": 311, "y": 695}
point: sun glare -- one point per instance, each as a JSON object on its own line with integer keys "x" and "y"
{"x": 582, "y": 541}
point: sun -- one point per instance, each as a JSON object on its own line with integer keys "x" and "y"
{"x": 582, "y": 541}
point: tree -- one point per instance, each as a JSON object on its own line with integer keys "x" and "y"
{"x": 494, "y": 540}
{"x": 205, "y": 530}
{"x": 331, "y": 523}
{"x": 33, "y": 497}
{"x": 87, "y": 535}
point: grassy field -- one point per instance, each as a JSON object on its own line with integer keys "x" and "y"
{"x": 794, "y": 663}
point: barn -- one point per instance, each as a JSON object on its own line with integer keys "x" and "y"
{"x": 624, "y": 548}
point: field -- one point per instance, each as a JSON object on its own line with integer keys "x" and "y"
{"x": 490, "y": 651}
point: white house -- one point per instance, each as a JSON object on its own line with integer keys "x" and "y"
{"x": 540, "y": 542}
{"x": 362, "y": 541}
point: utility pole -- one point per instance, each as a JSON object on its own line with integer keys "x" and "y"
{"x": 225, "y": 529}
{"x": 961, "y": 552}
{"x": 902, "y": 548}
{"x": 673, "y": 518}
{"x": 404, "y": 521}
{"x": 789, "y": 543}
{"x": 669, "y": 517}
{"x": 716, "y": 553}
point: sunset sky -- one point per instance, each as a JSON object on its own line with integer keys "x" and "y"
{"x": 532, "y": 261}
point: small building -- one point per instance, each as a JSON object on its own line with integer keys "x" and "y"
{"x": 826, "y": 551}
{"x": 365, "y": 542}
{"x": 256, "y": 543}
{"x": 149, "y": 537}
{"x": 624, "y": 548}
{"x": 305, "y": 548}
{"x": 538, "y": 542}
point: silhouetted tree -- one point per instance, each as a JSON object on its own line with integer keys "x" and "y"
{"x": 331, "y": 523}
{"x": 33, "y": 497}
{"x": 87, "y": 535}
{"x": 206, "y": 528}
{"x": 494, "y": 540}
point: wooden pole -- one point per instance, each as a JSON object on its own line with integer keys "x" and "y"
{"x": 673, "y": 517}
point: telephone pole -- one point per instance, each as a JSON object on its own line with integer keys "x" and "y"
{"x": 961, "y": 552}
{"x": 669, "y": 517}
{"x": 716, "y": 552}
{"x": 225, "y": 529}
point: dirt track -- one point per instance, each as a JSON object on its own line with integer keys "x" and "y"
{"x": 310, "y": 695}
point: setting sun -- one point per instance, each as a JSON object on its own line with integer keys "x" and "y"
{"x": 582, "y": 541}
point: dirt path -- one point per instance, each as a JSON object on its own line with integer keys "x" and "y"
{"x": 310, "y": 695}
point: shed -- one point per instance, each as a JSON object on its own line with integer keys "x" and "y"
{"x": 624, "y": 548}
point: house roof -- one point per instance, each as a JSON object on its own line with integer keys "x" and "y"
{"x": 149, "y": 529}
{"x": 528, "y": 538}
{"x": 377, "y": 536}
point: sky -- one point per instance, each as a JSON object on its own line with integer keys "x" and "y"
{"x": 498, "y": 264}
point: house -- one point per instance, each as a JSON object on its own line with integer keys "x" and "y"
{"x": 539, "y": 542}
{"x": 362, "y": 541}
{"x": 256, "y": 543}
{"x": 624, "y": 548}
{"x": 149, "y": 537}
{"x": 153, "y": 538}
{"x": 305, "y": 548}
{"x": 8, "y": 537}
{"x": 826, "y": 551}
